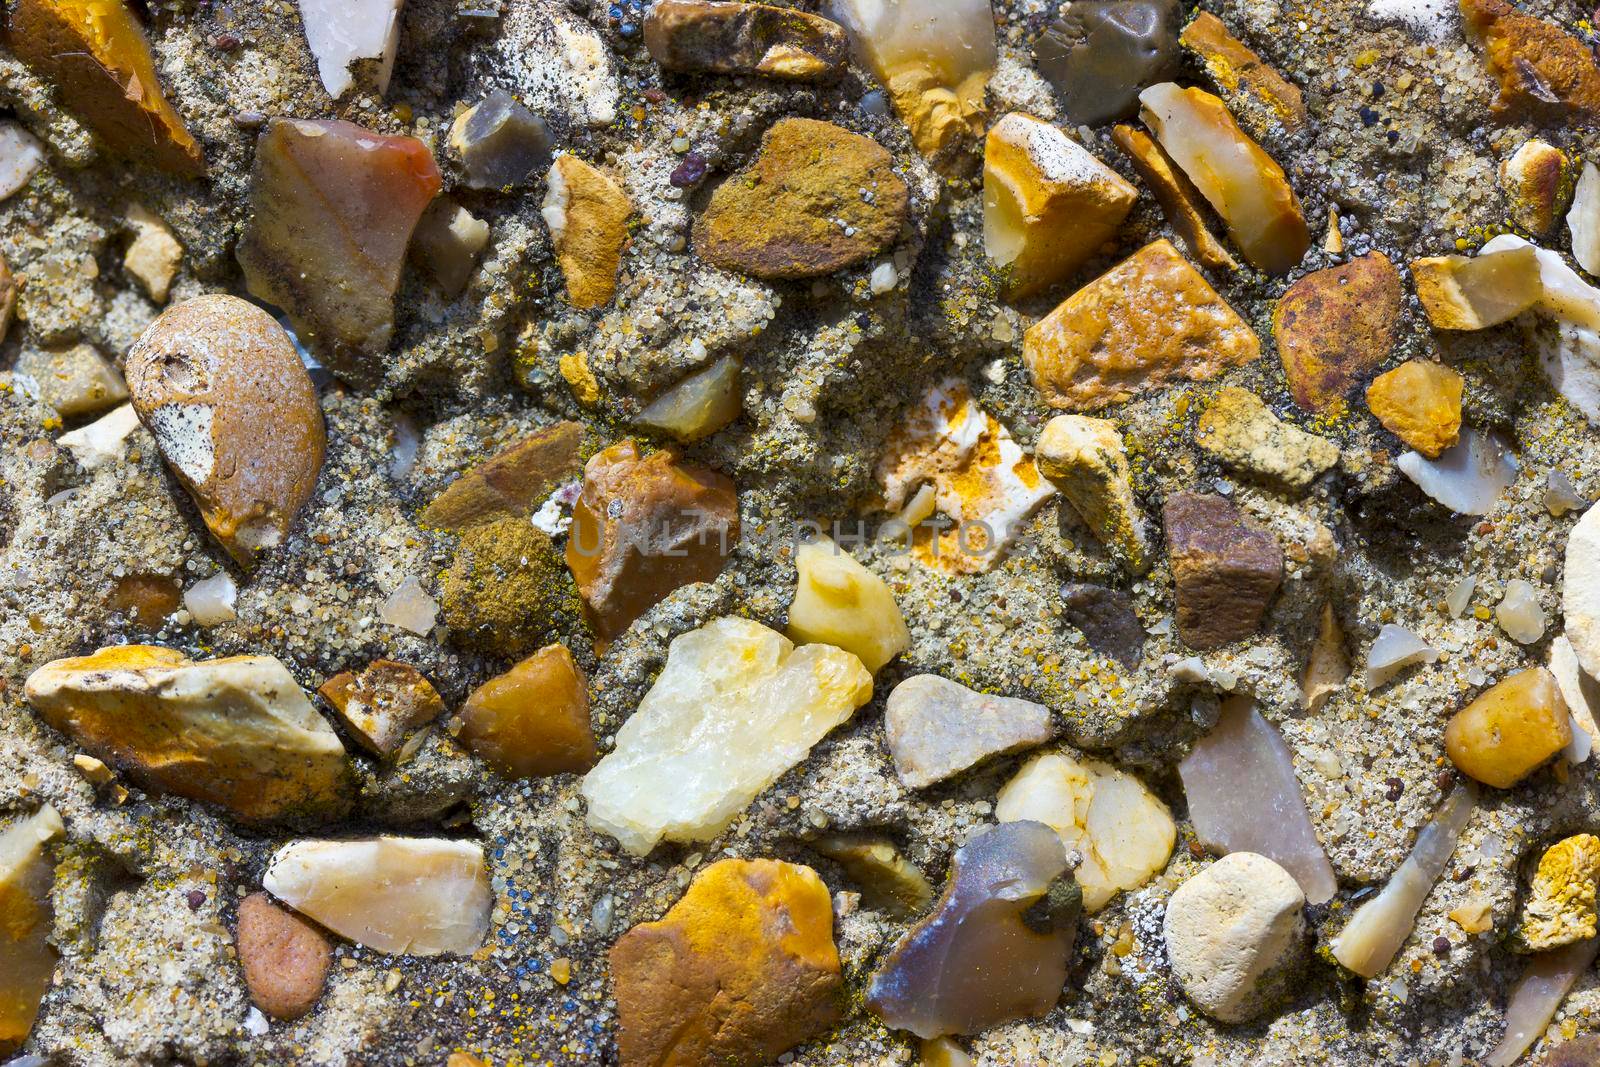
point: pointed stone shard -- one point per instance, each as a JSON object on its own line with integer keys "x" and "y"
{"x": 995, "y": 947}
{"x": 1087, "y": 461}
{"x": 1534, "y": 1001}
{"x": 383, "y": 704}
{"x": 1179, "y": 199}
{"x": 1328, "y": 666}
{"x": 238, "y": 732}
{"x": 736, "y": 706}
{"x": 1251, "y": 85}
{"x": 26, "y": 878}
{"x": 1476, "y": 292}
{"x": 512, "y": 482}
{"x": 351, "y": 38}
{"x": 411, "y": 896}
{"x": 740, "y": 970}
{"x": 333, "y": 207}
{"x": 938, "y": 728}
{"x": 587, "y": 213}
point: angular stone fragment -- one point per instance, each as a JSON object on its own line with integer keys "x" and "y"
{"x": 1048, "y": 204}
{"x": 506, "y": 591}
{"x": 1328, "y": 666}
{"x": 952, "y": 456}
{"x": 154, "y": 253}
{"x": 1393, "y": 650}
{"x": 1374, "y": 934}
{"x": 383, "y": 704}
{"x": 1179, "y": 199}
{"x": 1335, "y": 325}
{"x": 1510, "y": 730}
{"x": 1583, "y": 221}
{"x": 816, "y": 199}
{"x": 699, "y": 405}
{"x": 351, "y": 39}
{"x": 103, "y": 440}
{"x": 1242, "y": 183}
{"x": 285, "y": 959}
{"x": 839, "y": 602}
{"x": 587, "y": 213}
{"x": 1240, "y": 430}
{"x": 148, "y": 599}
{"x": 1107, "y": 620}
{"x": 1533, "y": 1002}
{"x": 1244, "y": 797}
{"x": 1541, "y": 68}
{"x": 75, "y": 381}
{"x": 1122, "y": 831}
{"x": 26, "y": 878}
{"x": 1566, "y": 331}
{"x": 643, "y": 527}
{"x": 1580, "y": 1052}
{"x": 219, "y": 385}
{"x": 1225, "y": 569}
{"x": 1537, "y": 185}
{"x": 736, "y": 706}
{"x": 705, "y": 36}
{"x": 1468, "y": 477}
{"x": 888, "y": 881}
{"x": 741, "y": 969}
{"x": 238, "y": 732}
{"x": 1100, "y": 53}
{"x": 1086, "y": 460}
{"x": 512, "y": 482}
{"x": 1235, "y": 935}
{"x": 8, "y": 297}
{"x": 1560, "y": 908}
{"x": 333, "y": 207}
{"x": 448, "y": 243}
{"x": 935, "y": 57}
{"x": 412, "y": 896}
{"x": 937, "y": 728}
{"x": 533, "y": 720}
{"x": 1461, "y": 293}
{"x": 1248, "y": 81}
{"x": 1420, "y": 403}
{"x": 98, "y": 59}
{"x": 1582, "y": 694}
{"x": 1520, "y": 614}
{"x": 995, "y": 947}
{"x": 1147, "y": 321}
{"x": 500, "y": 142}
{"x": 21, "y": 156}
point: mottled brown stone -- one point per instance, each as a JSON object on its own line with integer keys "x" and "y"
{"x": 1336, "y": 325}
{"x": 383, "y": 704}
{"x": 285, "y": 959}
{"x": 512, "y": 482}
{"x": 1225, "y": 568}
{"x": 726, "y": 38}
{"x": 1539, "y": 65}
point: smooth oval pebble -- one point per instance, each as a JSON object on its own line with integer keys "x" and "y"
{"x": 219, "y": 385}
{"x": 285, "y": 958}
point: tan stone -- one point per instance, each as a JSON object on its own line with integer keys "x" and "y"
{"x": 219, "y": 385}
{"x": 1179, "y": 199}
{"x": 1474, "y": 293}
{"x": 448, "y": 243}
{"x": 1420, "y": 403}
{"x": 1328, "y": 666}
{"x": 75, "y": 381}
{"x": 1086, "y": 460}
{"x": 9, "y": 286}
{"x": 1560, "y": 908}
{"x": 121, "y": 100}
{"x": 512, "y": 482}
{"x": 642, "y": 527}
{"x": 1239, "y": 429}
{"x": 740, "y": 970}
{"x": 587, "y": 213}
{"x": 888, "y": 881}
{"x": 533, "y": 720}
{"x": 801, "y": 209}
{"x": 1150, "y": 320}
{"x": 1335, "y": 325}
{"x": 154, "y": 253}
{"x": 1540, "y": 67}
{"x": 1538, "y": 183}
{"x": 726, "y": 38}
{"x": 237, "y": 732}
{"x": 285, "y": 959}
{"x": 383, "y": 704}
{"x": 1242, "y": 74}
{"x": 1048, "y": 203}
{"x": 26, "y": 878}
{"x": 1510, "y": 730}
{"x": 839, "y": 602}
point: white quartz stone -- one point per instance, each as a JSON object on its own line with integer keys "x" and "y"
{"x": 21, "y": 156}
{"x": 211, "y": 600}
{"x": 1582, "y": 696}
{"x": 1468, "y": 477}
{"x": 1536, "y": 997}
{"x": 343, "y": 32}
{"x": 1519, "y": 613}
{"x": 410, "y": 608}
{"x": 102, "y": 441}
{"x": 1395, "y": 649}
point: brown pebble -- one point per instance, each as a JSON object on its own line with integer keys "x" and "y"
{"x": 285, "y": 958}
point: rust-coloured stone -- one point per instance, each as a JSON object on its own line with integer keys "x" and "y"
{"x": 533, "y": 720}
{"x": 725, "y": 38}
{"x": 1540, "y": 66}
{"x": 801, "y": 210}
{"x": 285, "y": 959}
{"x": 1226, "y": 569}
{"x": 1149, "y": 320}
{"x": 645, "y": 526}
{"x": 512, "y": 482}
{"x": 96, "y": 55}
{"x": 333, "y": 207}
{"x": 146, "y": 598}
{"x": 383, "y": 704}
{"x": 8, "y": 296}
{"x": 1336, "y": 325}
{"x": 740, "y": 970}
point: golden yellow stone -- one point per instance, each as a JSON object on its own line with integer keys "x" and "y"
{"x": 1179, "y": 199}
{"x": 1561, "y": 904}
{"x": 26, "y": 876}
{"x": 1149, "y": 320}
{"x": 1420, "y": 403}
{"x": 1237, "y": 69}
{"x": 533, "y": 720}
{"x": 1462, "y": 293}
{"x": 1085, "y": 458}
{"x": 588, "y": 216}
{"x": 1510, "y": 730}
{"x": 839, "y": 602}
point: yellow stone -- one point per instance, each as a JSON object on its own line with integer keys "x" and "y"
{"x": 1179, "y": 199}
{"x": 839, "y": 602}
{"x": 26, "y": 877}
{"x": 383, "y": 704}
{"x": 533, "y": 720}
{"x": 587, "y": 214}
{"x": 1239, "y": 70}
{"x": 1048, "y": 203}
{"x": 1474, "y": 917}
{"x": 1462, "y": 293}
{"x": 1148, "y": 321}
{"x": 238, "y": 732}
{"x": 1420, "y": 403}
{"x": 1510, "y": 730}
{"x": 1561, "y": 904}
{"x": 1086, "y": 460}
